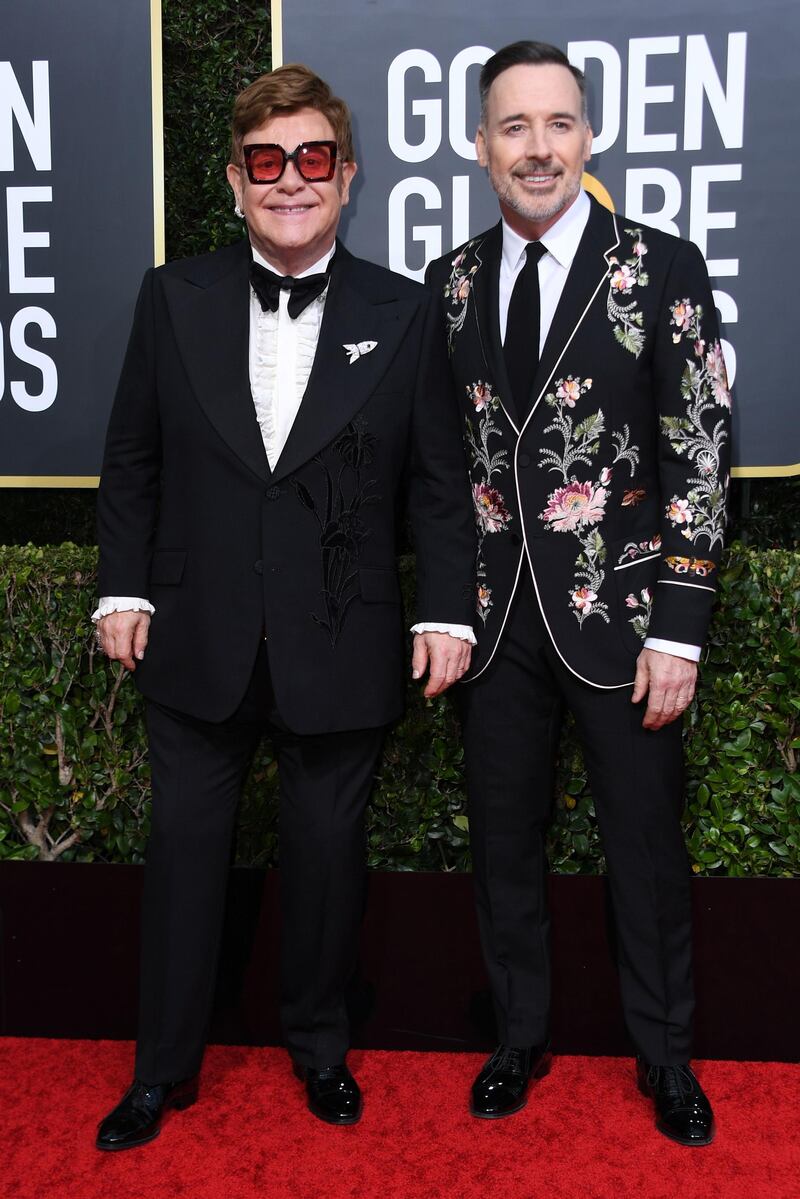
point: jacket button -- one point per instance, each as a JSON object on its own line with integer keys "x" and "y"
{"x": 258, "y": 567}
{"x": 524, "y": 459}
{"x": 272, "y": 493}
{"x": 516, "y": 539}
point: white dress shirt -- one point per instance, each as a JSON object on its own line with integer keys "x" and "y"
{"x": 561, "y": 242}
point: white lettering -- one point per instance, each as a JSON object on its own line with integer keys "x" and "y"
{"x": 42, "y": 362}
{"x": 578, "y": 53}
{"x": 702, "y": 80}
{"x": 640, "y": 94}
{"x": 636, "y": 180}
{"x": 429, "y": 110}
{"x": 429, "y": 235}
{"x": 701, "y": 220}
{"x": 20, "y": 240}
{"x": 35, "y": 129}
{"x": 462, "y": 140}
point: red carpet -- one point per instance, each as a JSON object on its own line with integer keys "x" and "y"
{"x": 586, "y": 1133}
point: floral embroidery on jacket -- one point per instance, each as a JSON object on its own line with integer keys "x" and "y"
{"x": 457, "y": 291}
{"x": 704, "y": 387}
{"x": 342, "y": 531}
{"x": 638, "y": 549}
{"x": 577, "y": 507}
{"x": 628, "y": 319}
{"x": 491, "y": 512}
{"x": 643, "y": 604}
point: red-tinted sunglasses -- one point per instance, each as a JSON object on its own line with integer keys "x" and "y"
{"x": 315, "y": 161}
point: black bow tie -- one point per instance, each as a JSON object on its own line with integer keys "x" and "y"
{"x": 268, "y": 287}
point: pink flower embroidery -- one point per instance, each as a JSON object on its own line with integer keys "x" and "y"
{"x": 631, "y": 601}
{"x": 715, "y": 365}
{"x": 583, "y": 599}
{"x": 481, "y": 395}
{"x": 484, "y": 597}
{"x": 491, "y": 513}
{"x": 605, "y": 475}
{"x": 623, "y": 279}
{"x": 461, "y": 289}
{"x": 639, "y": 249}
{"x": 569, "y": 390}
{"x": 679, "y": 512}
{"x": 575, "y": 506}
{"x": 682, "y": 314}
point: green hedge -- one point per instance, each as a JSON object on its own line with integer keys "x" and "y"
{"x": 74, "y": 777}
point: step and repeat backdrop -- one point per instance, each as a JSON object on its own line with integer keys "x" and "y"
{"x": 693, "y": 110}
{"x": 692, "y": 107}
{"x": 81, "y": 182}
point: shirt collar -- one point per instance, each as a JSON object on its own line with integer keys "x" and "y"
{"x": 561, "y": 239}
{"x": 317, "y": 268}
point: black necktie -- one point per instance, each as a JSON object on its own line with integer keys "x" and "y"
{"x": 521, "y": 346}
{"x": 268, "y": 287}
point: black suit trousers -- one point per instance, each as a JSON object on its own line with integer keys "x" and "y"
{"x": 198, "y": 770}
{"x": 511, "y": 716}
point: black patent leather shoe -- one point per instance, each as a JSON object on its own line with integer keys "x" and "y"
{"x": 333, "y": 1093}
{"x": 501, "y": 1088}
{"x": 137, "y": 1117}
{"x": 683, "y": 1112}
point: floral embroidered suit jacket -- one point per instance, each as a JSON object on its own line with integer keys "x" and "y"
{"x": 612, "y": 491}
{"x": 191, "y": 516}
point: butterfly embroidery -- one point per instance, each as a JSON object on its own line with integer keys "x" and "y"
{"x": 359, "y": 349}
{"x": 690, "y": 566}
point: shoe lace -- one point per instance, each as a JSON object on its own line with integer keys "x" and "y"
{"x": 508, "y": 1057}
{"x": 674, "y": 1081}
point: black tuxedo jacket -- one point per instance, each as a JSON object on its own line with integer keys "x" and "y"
{"x": 611, "y": 489}
{"x": 191, "y": 516}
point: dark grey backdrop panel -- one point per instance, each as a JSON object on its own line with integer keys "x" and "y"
{"x": 693, "y": 107}
{"x": 99, "y": 222}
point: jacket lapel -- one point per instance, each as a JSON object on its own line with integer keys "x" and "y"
{"x": 586, "y": 275}
{"x": 355, "y": 312}
{"x": 211, "y": 318}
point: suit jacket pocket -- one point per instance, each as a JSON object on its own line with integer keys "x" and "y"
{"x": 379, "y": 585}
{"x": 167, "y": 567}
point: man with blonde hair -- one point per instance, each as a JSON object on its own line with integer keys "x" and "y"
{"x": 270, "y": 416}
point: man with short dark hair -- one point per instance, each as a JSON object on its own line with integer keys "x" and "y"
{"x": 586, "y": 354}
{"x": 278, "y": 399}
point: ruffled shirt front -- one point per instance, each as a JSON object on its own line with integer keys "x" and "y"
{"x": 281, "y": 357}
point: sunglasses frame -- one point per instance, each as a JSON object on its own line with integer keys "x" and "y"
{"x": 248, "y": 151}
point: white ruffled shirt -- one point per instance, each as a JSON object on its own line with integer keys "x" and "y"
{"x": 281, "y": 356}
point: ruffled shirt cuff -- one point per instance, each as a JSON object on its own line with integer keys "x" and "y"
{"x": 121, "y": 603}
{"x": 677, "y": 648}
{"x": 461, "y": 631}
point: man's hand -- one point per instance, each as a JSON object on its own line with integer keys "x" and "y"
{"x": 123, "y": 636}
{"x": 447, "y": 656}
{"x": 669, "y": 684}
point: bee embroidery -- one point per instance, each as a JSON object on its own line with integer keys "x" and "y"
{"x": 359, "y": 349}
{"x": 690, "y": 566}
{"x": 633, "y": 497}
